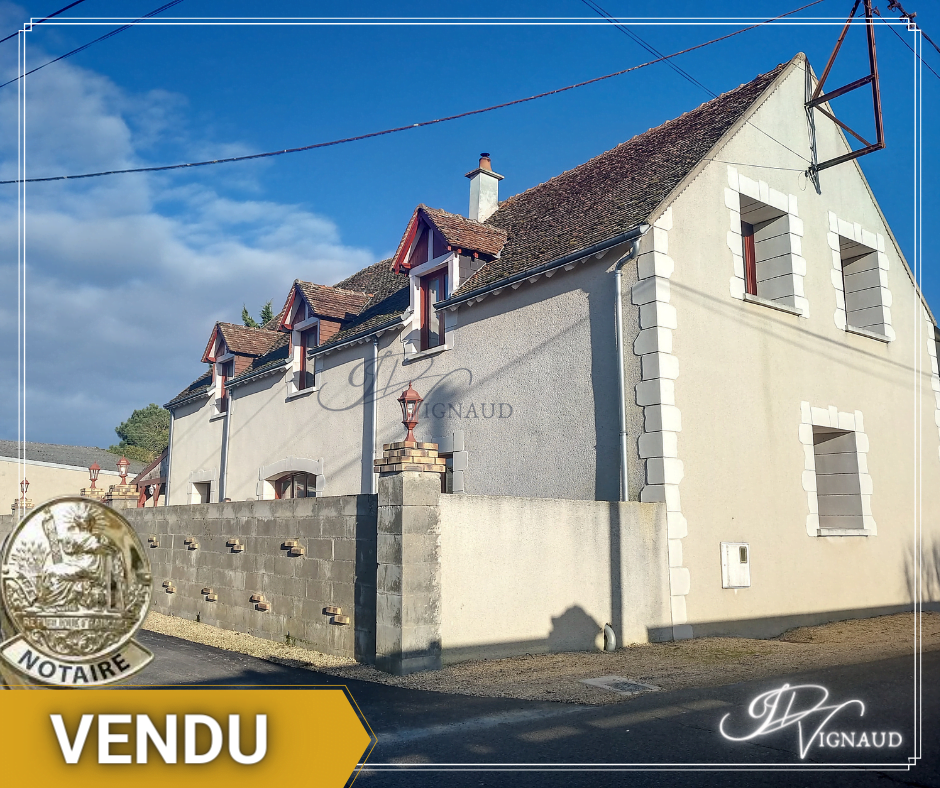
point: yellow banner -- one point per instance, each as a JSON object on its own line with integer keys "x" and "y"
{"x": 181, "y": 737}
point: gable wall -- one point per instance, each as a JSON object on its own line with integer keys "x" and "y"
{"x": 744, "y": 370}
{"x": 196, "y": 446}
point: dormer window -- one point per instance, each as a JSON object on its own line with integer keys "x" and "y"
{"x": 225, "y": 370}
{"x": 440, "y": 252}
{"x": 305, "y": 337}
{"x": 433, "y": 289}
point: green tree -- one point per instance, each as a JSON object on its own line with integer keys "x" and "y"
{"x": 247, "y": 319}
{"x": 267, "y": 313}
{"x": 144, "y": 435}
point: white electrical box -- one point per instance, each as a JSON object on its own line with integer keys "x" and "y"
{"x": 735, "y": 565}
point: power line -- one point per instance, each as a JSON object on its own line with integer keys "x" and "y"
{"x": 895, "y": 5}
{"x": 397, "y": 129}
{"x": 901, "y": 39}
{"x": 652, "y": 50}
{"x": 648, "y": 47}
{"x": 91, "y": 43}
{"x": 45, "y": 18}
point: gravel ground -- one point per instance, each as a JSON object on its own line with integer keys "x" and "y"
{"x": 700, "y": 662}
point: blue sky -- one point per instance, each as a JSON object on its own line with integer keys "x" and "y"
{"x": 128, "y": 273}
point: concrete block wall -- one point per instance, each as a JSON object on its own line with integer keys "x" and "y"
{"x": 337, "y": 569}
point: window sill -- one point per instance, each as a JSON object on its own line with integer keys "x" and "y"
{"x": 790, "y": 310}
{"x": 217, "y": 416}
{"x": 425, "y": 353}
{"x": 301, "y": 393}
{"x": 864, "y": 332}
{"x": 844, "y": 532}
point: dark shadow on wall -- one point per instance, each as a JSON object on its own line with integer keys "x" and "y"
{"x": 601, "y": 304}
{"x": 928, "y": 589}
{"x": 573, "y": 630}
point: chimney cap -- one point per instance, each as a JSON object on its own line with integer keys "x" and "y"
{"x": 485, "y": 166}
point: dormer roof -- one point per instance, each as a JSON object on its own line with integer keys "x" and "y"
{"x": 240, "y": 340}
{"x": 330, "y": 302}
{"x": 458, "y": 233}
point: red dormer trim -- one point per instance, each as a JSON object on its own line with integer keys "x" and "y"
{"x": 208, "y": 355}
{"x": 286, "y": 322}
{"x": 401, "y": 256}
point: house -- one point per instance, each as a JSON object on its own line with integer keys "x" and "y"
{"x": 773, "y": 383}
{"x": 54, "y": 470}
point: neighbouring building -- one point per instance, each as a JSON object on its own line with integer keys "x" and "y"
{"x": 780, "y": 388}
{"x": 54, "y": 470}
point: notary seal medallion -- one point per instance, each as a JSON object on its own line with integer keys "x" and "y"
{"x": 75, "y": 587}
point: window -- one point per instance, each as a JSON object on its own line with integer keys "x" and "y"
{"x": 773, "y": 269}
{"x": 433, "y": 289}
{"x": 864, "y": 287}
{"x": 838, "y": 485}
{"x": 225, "y": 371}
{"x": 750, "y": 263}
{"x": 308, "y": 341}
{"x": 305, "y": 337}
{"x": 201, "y": 492}
{"x": 296, "y": 485}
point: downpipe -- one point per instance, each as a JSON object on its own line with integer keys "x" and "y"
{"x": 621, "y": 381}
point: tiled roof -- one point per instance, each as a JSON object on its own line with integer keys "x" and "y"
{"x": 275, "y": 357}
{"x": 332, "y": 301}
{"x": 461, "y": 232}
{"x": 240, "y": 340}
{"x": 613, "y": 192}
{"x": 390, "y": 298}
{"x": 246, "y": 341}
{"x": 194, "y": 389}
{"x": 376, "y": 279}
{"x": 77, "y": 456}
{"x": 458, "y": 232}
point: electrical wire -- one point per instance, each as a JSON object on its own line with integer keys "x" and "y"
{"x": 45, "y": 18}
{"x": 652, "y": 50}
{"x": 91, "y": 43}
{"x": 901, "y": 39}
{"x": 397, "y": 129}
{"x": 648, "y": 47}
{"x": 895, "y": 5}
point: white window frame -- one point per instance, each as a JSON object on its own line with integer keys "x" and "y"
{"x": 293, "y": 390}
{"x": 791, "y": 267}
{"x": 412, "y": 340}
{"x": 853, "y": 231}
{"x": 832, "y": 418}
{"x": 222, "y": 356}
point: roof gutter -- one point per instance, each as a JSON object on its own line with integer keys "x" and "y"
{"x": 601, "y": 246}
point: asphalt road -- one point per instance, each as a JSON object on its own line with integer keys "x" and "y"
{"x": 427, "y": 738}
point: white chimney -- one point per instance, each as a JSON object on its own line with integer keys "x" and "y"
{"x": 484, "y": 190}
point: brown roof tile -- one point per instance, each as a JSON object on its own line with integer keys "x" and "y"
{"x": 246, "y": 341}
{"x": 613, "y": 192}
{"x": 461, "y": 232}
{"x": 458, "y": 232}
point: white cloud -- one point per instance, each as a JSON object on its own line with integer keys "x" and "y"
{"x": 127, "y": 274}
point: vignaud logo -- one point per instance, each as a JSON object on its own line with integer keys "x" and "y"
{"x": 75, "y": 587}
{"x": 806, "y": 703}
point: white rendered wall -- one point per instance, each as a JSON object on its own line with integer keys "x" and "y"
{"x": 747, "y": 373}
{"x": 537, "y": 575}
